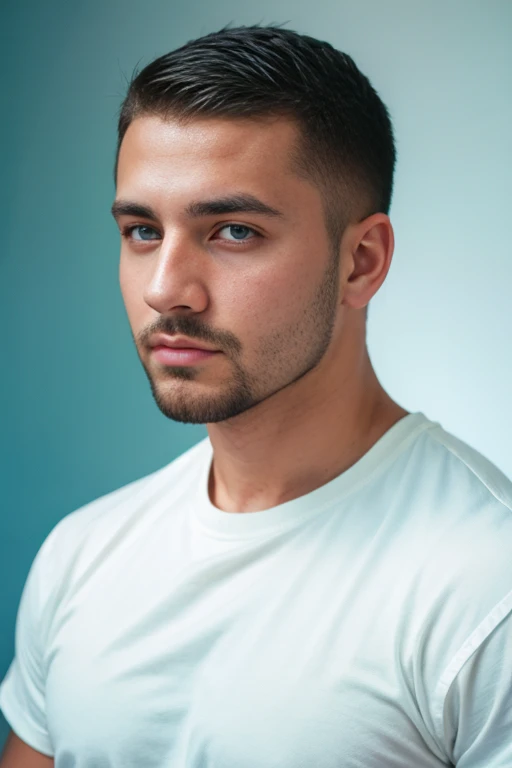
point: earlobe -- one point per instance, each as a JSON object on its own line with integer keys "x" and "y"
{"x": 371, "y": 249}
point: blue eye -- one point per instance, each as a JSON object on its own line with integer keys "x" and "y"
{"x": 238, "y": 232}
{"x": 128, "y": 232}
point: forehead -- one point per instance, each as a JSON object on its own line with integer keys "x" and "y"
{"x": 169, "y": 155}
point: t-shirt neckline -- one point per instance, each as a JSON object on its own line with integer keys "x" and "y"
{"x": 251, "y": 525}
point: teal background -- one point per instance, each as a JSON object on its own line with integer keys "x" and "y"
{"x": 77, "y": 416}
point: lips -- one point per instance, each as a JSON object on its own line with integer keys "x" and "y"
{"x": 178, "y": 342}
{"x": 179, "y": 351}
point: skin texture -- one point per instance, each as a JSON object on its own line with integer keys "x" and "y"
{"x": 290, "y": 399}
{"x": 17, "y": 754}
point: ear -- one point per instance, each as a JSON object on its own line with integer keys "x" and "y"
{"x": 367, "y": 249}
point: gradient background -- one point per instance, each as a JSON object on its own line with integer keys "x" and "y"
{"x": 77, "y": 416}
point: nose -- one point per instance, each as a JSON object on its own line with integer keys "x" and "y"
{"x": 178, "y": 280}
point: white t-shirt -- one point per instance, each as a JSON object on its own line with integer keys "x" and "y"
{"x": 367, "y": 624}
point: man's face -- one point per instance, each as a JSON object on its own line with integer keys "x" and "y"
{"x": 260, "y": 287}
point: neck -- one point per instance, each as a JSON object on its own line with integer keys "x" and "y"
{"x": 302, "y": 437}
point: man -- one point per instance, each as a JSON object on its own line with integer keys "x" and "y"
{"x": 325, "y": 581}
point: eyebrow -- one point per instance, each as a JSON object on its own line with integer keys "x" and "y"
{"x": 243, "y": 203}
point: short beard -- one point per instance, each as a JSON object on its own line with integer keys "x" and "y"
{"x": 313, "y": 333}
{"x": 186, "y": 409}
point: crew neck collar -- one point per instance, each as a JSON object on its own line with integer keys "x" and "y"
{"x": 251, "y": 525}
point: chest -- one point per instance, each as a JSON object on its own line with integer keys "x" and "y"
{"x": 228, "y": 664}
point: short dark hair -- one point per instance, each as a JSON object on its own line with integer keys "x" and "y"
{"x": 347, "y": 146}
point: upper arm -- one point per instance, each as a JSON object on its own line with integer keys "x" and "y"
{"x": 478, "y": 711}
{"x": 17, "y": 754}
{"x": 22, "y": 692}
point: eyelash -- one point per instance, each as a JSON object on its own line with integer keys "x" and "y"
{"x": 126, "y": 232}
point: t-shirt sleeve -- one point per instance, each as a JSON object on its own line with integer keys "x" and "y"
{"x": 22, "y": 692}
{"x": 477, "y": 708}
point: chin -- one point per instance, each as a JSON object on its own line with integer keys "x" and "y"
{"x": 208, "y": 408}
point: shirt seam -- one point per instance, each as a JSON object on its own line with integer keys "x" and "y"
{"x": 501, "y": 610}
{"x": 451, "y": 449}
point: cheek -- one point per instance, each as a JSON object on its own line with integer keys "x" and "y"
{"x": 261, "y": 303}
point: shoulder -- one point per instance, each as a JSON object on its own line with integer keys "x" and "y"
{"x": 470, "y": 506}
{"x": 459, "y": 501}
{"x": 472, "y": 469}
{"x": 449, "y": 518}
{"x": 461, "y": 515}
{"x": 454, "y": 517}
{"x": 85, "y": 536}
{"x": 461, "y": 585}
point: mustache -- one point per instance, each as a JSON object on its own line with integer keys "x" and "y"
{"x": 185, "y": 325}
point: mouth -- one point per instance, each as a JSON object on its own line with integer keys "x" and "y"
{"x": 181, "y": 355}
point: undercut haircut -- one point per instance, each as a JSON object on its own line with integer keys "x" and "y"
{"x": 346, "y": 145}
